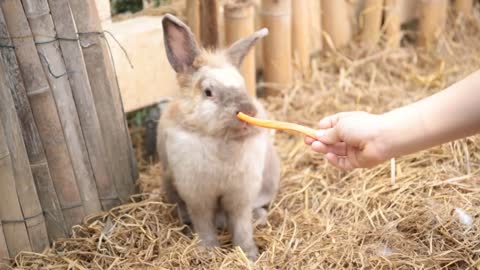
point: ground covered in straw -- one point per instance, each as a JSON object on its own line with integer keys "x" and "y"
{"x": 323, "y": 218}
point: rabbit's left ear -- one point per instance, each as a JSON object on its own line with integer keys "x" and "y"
{"x": 238, "y": 50}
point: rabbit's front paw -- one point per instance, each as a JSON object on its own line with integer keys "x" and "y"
{"x": 251, "y": 252}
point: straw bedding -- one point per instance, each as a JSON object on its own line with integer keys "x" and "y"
{"x": 425, "y": 216}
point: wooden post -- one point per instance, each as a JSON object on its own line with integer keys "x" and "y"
{"x": 43, "y": 32}
{"x": 463, "y": 7}
{"x": 209, "y": 25}
{"x": 432, "y": 21}
{"x": 277, "y": 45}
{"x": 38, "y": 164}
{"x": 11, "y": 217}
{"x": 44, "y": 112}
{"x": 239, "y": 23}
{"x": 82, "y": 93}
{"x": 106, "y": 93}
{"x": 300, "y": 38}
{"x": 193, "y": 18}
{"x": 372, "y": 20}
{"x": 336, "y": 23}
{"x": 392, "y": 23}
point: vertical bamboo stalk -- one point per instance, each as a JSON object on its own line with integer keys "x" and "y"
{"x": 463, "y": 7}
{"x": 258, "y": 47}
{"x": 301, "y": 40}
{"x": 315, "y": 10}
{"x": 38, "y": 164}
{"x": 392, "y": 23}
{"x": 108, "y": 100}
{"x": 82, "y": 94}
{"x": 3, "y": 244}
{"x": 372, "y": 19}
{"x": 11, "y": 217}
{"x": 277, "y": 45}
{"x": 209, "y": 25}
{"x": 193, "y": 18}
{"x": 433, "y": 16}
{"x": 44, "y": 112}
{"x": 336, "y": 22}
{"x": 26, "y": 190}
{"x": 43, "y": 30}
{"x": 239, "y": 23}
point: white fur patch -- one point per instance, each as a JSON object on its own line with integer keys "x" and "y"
{"x": 227, "y": 76}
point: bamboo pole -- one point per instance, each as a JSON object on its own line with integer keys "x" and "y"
{"x": 82, "y": 94}
{"x": 433, "y": 16}
{"x": 315, "y": 10}
{"x": 277, "y": 45}
{"x": 3, "y": 245}
{"x": 38, "y": 164}
{"x": 372, "y": 20}
{"x": 463, "y": 7}
{"x": 392, "y": 23}
{"x": 209, "y": 24}
{"x": 106, "y": 93}
{"x": 44, "y": 112}
{"x": 336, "y": 23}
{"x": 239, "y": 23}
{"x": 193, "y": 18}
{"x": 259, "y": 45}
{"x": 300, "y": 40}
{"x": 11, "y": 217}
{"x": 43, "y": 30}
{"x": 26, "y": 189}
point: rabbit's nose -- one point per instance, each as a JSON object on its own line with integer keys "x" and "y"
{"x": 248, "y": 109}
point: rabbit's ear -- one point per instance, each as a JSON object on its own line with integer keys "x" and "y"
{"x": 238, "y": 50}
{"x": 180, "y": 44}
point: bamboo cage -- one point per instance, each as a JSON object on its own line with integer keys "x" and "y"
{"x": 239, "y": 23}
{"x": 65, "y": 150}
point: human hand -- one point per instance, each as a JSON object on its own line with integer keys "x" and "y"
{"x": 352, "y": 139}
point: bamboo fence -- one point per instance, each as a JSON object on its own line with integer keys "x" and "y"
{"x": 65, "y": 150}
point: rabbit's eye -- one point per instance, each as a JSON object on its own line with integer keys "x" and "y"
{"x": 208, "y": 92}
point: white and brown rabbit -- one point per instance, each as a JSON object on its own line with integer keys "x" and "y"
{"x": 217, "y": 167}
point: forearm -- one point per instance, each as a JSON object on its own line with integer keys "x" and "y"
{"x": 448, "y": 115}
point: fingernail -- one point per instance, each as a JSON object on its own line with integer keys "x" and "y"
{"x": 320, "y": 133}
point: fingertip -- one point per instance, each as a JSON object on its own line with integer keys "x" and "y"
{"x": 308, "y": 140}
{"x": 319, "y": 147}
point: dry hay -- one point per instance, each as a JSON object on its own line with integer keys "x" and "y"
{"x": 323, "y": 218}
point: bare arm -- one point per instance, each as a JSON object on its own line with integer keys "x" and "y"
{"x": 360, "y": 139}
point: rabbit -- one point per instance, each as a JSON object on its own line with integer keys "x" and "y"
{"x": 217, "y": 168}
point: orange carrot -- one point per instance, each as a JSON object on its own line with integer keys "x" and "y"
{"x": 277, "y": 125}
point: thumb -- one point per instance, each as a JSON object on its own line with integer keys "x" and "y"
{"x": 329, "y": 136}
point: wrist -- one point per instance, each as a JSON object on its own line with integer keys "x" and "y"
{"x": 387, "y": 137}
